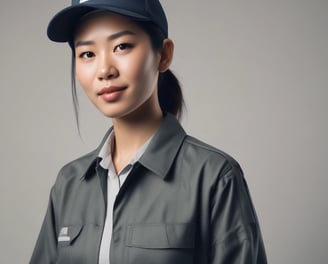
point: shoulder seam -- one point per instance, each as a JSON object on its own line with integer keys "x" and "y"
{"x": 196, "y": 142}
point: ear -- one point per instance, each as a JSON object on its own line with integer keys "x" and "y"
{"x": 166, "y": 55}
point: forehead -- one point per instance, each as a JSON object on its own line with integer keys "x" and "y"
{"x": 104, "y": 21}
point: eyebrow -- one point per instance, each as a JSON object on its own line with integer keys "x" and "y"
{"x": 110, "y": 38}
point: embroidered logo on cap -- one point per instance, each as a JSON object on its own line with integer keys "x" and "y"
{"x": 82, "y": 1}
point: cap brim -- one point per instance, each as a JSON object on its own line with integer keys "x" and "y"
{"x": 61, "y": 27}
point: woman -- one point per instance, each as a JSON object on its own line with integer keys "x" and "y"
{"x": 149, "y": 193}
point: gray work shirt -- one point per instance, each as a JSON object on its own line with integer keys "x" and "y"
{"x": 114, "y": 182}
{"x": 183, "y": 202}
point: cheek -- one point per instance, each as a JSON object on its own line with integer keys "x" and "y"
{"x": 84, "y": 75}
{"x": 143, "y": 69}
{"x": 79, "y": 73}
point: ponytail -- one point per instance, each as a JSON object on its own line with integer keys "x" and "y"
{"x": 169, "y": 90}
{"x": 170, "y": 94}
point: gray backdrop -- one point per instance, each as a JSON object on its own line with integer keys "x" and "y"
{"x": 255, "y": 77}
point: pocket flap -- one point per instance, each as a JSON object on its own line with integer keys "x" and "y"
{"x": 68, "y": 234}
{"x": 161, "y": 235}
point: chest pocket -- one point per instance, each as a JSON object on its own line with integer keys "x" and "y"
{"x": 68, "y": 235}
{"x": 161, "y": 243}
{"x": 67, "y": 238}
{"x": 79, "y": 243}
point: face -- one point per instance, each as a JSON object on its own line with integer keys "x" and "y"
{"x": 116, "y": 65}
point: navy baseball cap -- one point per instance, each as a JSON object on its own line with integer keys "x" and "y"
{"x": 62, "y": 25}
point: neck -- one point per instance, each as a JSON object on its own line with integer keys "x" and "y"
{"x": 132, "y": 132}
{"x": 132, "y": 135}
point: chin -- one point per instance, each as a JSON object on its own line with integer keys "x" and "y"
{"x": 114, "y": 113}
{"x": 111, "y": 114}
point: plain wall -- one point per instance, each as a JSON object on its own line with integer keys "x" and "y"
{"x": 255, "y": 77}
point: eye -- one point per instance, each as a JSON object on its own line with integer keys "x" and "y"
{"x": 87, "y": 55}
{"x": 122, "y": 46}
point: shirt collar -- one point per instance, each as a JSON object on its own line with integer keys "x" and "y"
{"x": 105, "y": 153}
{"x": 164, "y": 146}
{"x": 90, "y": 161}
{"x": 159, "y": 155}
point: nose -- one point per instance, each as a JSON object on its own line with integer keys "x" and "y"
{"x": 107, "y": 70}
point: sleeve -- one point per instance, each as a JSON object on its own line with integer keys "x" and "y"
{"x": 236, "y": 236}
{"x": 45, "y": 250}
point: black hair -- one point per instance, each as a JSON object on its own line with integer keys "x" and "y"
{"x": 170, "y": 94}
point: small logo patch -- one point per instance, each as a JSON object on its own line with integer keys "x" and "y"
{"x": 63, "y": 235}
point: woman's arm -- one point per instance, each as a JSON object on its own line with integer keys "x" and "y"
{"x": 236, "y": 236}
{"x": 45, "y": 250}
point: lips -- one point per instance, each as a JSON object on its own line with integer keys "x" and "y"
{"x": 111, "y": 89}
{"x": 112, "y": 93}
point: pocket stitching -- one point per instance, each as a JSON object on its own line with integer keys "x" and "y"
{"x": 175, "y": 241}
